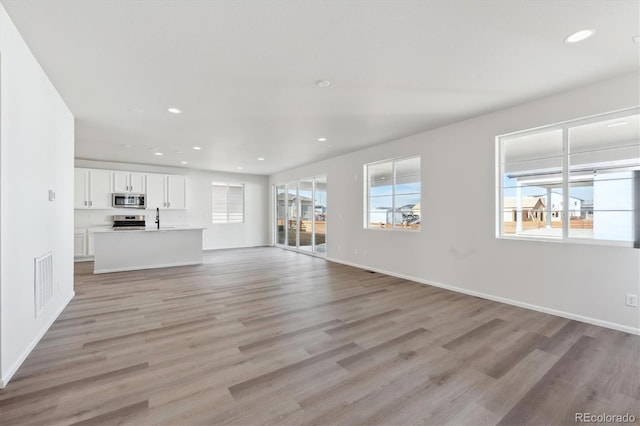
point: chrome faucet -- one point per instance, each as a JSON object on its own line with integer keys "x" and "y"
{"x": 158, "y": 217}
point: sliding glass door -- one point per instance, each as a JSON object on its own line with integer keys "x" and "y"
{"x": 292, "y": 215}
{"x": 305, "y": 230}
{"x": 301, "y": 214}
{"x": 320, "y": 215}
{"x": 281, "y": 214}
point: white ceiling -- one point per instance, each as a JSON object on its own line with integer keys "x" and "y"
{"x": 244, "y": 72}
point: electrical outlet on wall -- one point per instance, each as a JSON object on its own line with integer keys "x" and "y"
{"x": 631, "y": 300}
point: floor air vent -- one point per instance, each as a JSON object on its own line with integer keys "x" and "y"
{"x": 43, "y": 282}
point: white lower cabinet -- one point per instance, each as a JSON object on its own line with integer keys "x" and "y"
{"x": 83, "y": 242}
{"x": 80, "y": 242}
{"x": 90, "y": 251}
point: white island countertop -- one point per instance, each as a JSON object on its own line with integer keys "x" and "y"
{"x": 148, "y": 229}
{"x": 134, "y": 249}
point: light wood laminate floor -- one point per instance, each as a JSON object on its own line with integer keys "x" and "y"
{"x": 269, "y": 337}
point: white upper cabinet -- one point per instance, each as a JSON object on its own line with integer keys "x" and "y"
{"x": 121, "y": 181}
{"x": 129, "y": 182}
{"x": 155, "y": 191}
{"x": 176, "y": 192}
{"x": 137, "y": 183}
{"x": 166, "y": 192}
{"x": 100, "y": 189}
{"x": 81, "y": 192}
{"x": 92, "y": 189}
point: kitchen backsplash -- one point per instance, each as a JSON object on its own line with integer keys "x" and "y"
{"x": 89, "y": 218}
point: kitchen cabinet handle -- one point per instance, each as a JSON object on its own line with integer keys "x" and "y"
{"x": 90, "y": 203}
{"x": 85, "y": 203}
{"x": 169, "y": 204}
{"x": 164, "y": 204}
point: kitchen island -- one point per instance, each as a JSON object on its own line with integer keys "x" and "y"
{"x": 133, "y": 249}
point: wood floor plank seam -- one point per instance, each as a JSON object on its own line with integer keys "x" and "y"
{"x": 84, "y": 381}
{"x": 283, "y": 336}
{"x": 117, "y": 414}
{"x": 148, "y": 332}
{"x": 308, "y": 308}
{"x": 345, "y": 362}
{"x": 248, "y": 384}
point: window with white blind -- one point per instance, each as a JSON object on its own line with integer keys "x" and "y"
{"x": 577, "y": 181}
{"x": 227, "y": 203}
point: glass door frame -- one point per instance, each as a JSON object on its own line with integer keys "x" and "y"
{"x": 298, "y": 209}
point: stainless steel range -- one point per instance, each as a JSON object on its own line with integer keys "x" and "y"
{"x": 129, "y": 222}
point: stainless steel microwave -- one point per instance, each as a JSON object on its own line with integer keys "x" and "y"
{"x": 130, "y": 201}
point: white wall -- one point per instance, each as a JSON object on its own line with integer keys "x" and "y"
{"x": 458, "y": 248}
{"x": 36, "y": 155}
{"x": 253, "y": 232}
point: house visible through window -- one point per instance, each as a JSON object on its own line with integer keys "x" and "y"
{"x": 577, "y": 180}
{"x": 393, "y": 194}
{"x": 227, "y": 203}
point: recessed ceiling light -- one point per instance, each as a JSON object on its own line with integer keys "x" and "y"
{"x": 197, "y": 148}
{"x": 239, "y": 167}
{"x": 636, "y": 39}
{"x": 184, "y": 162}
{"x": 159, "y": 153}
{"x": 323, "y": 83}
{"x": 579, "y": 35}
{"x": 125, "y": 145}
{"x": 617, "y": 124}
{"x": 260, "y": 158}
{"x": 322, "y": 139}
{"x": 174, "y": 110}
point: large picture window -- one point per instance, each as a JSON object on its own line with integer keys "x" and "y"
{"x": 393, "y": 194}
{"x": 227, "y": 203}
{"x": 576, "y": 181}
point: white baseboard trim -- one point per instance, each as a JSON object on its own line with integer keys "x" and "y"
{"x": 563, "y": 314}
{"x": 234, "y": 247}
{"x": 4, "y": 379}
{"x": 138, "y": 268}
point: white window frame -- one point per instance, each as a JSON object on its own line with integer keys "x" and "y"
{"x": 565, "y": 126}
{"x": 228, "y": 211}
{"x": 367, "y": 192}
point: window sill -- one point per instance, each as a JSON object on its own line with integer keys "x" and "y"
{"x": 415, "y": 231}
{"x": 557, "y": 240}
